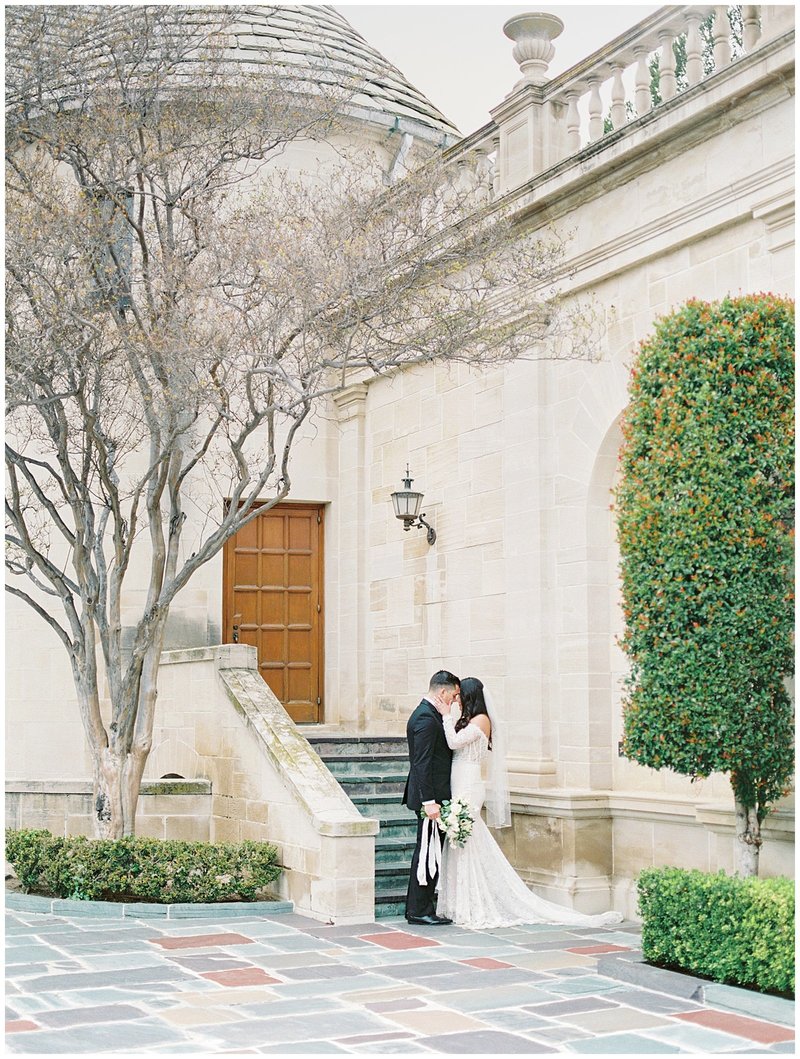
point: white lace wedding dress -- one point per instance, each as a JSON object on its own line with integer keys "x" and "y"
{"x": 477, "y": 886}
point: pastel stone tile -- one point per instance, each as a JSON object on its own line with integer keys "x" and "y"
{"x": 195, "y": 1016}
{"x": 619, "y": 1018}
{"x": 90, "y": 1014}
{"x": 253, "y": 1033}
{"x": 434, "y": 1020}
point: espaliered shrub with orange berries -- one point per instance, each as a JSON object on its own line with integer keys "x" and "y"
{"x": 705, "y": 526}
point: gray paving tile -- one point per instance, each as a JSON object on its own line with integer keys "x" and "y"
{"x": 32, "y": 954}
{"x": 304, "y": 1048}
{"x": 658, "y": 1003}
{"x": 90, "y": 1014}
{"x": 582, "y": 984}
{"x": 783, "y": 1047}
{"x": 483, "y": 1042}
{"x": 333, "y": 986}
{"x": 556, "y": 1008}
{"x": 560, "y": 1034}
{"x": 388, "y": 1047}
{"x": 748, "y": 1002}
{"x": 208, "y": 962}
{"x": 86, "y": 979}
{"x": 422, "y": 968}
{"x": 620, "y": 1044}
{"x": 514, "y": 1020}
{"x": 294, "y": 1028}
{"x": 319, "y": 971}
{"x": 472, "y": 978}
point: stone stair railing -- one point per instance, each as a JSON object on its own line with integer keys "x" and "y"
{"x": 543, "y": 122}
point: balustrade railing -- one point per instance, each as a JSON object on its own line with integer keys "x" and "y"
{"x": 658, "y": 59}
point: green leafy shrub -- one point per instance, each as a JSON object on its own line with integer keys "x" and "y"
{"x": 148, "y": 869}
{"x": 733, "y": 930}
{"x": 705, "y": 517}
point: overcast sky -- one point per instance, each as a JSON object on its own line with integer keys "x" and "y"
{"x": 458, "y": 56}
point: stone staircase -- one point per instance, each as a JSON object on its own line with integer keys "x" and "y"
{"x": 372, "y": 770}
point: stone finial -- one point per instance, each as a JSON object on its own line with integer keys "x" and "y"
{"x": 532, "y": 34}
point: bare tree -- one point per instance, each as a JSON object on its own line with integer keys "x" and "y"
{"x": 176, "y": 308}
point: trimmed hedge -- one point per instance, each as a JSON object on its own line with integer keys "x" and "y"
{"x": 148, "y": 869}
{"x": 732, "y": 930}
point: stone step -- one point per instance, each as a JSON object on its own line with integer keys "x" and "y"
{"x": 373, "y": 785}
{"x": 332, "y": 746}
{"x": 390, "y": 904}
{"x": 379, "y": 764}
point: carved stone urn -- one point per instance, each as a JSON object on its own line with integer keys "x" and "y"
{"x": 532, "y": 34}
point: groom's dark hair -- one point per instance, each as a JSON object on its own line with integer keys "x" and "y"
{"x": 444, "y": 679}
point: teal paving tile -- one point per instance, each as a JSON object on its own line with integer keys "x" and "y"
{"x": 304, "y": 1005}
{"x": 32, "y": 953}
{"x": 515, "y": 1021}
{"x": 620, "y": 1044}
{"x": 88, "y": 979}
{"x": 697, "y": 1038}
{"x": 620, "y": 937}
{"x": 783, "y": 1047}
{"x": 107, "y": 1037}
{"x": 580, "y": 985}
{"x": 123, "y": 961}
{"x": 488, "y": 999}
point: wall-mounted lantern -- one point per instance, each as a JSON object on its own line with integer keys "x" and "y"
{"x": 406, "y": 505}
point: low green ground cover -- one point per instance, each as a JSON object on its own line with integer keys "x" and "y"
{"x": 144, "y": 869}
{"x": 732, "y": 930}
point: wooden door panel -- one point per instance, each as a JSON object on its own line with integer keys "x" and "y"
{"x": 273, "y": 592}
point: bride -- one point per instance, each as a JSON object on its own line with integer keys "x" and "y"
{"x": 478, "y": 887}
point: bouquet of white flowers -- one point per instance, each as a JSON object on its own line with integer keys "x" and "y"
{"x": 455, "y": 820}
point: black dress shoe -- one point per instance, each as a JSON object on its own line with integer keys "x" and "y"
{"x": 428, "y": 921}
{"x": 444, "y": 921}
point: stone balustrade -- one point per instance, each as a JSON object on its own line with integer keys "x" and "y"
{"x": 543, "y": 121}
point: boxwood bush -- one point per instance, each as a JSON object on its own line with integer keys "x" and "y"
{"x": 149, "y": 869}
{"x": 732, "y": 930}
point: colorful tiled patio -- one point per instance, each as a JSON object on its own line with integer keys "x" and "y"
{"x": 287, "y": 984}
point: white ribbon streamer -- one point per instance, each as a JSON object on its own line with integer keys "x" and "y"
{"x": 430, "y": 853}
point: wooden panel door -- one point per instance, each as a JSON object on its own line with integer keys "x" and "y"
{"x": 272, "y": 596}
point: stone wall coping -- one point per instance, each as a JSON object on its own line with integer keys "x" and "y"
{"x": 144, "y": 910}
{"x": 575, "y": 804}
{"x": 174, "y": 787}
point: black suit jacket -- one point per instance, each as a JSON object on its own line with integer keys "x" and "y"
{"x": 429, "y": 757}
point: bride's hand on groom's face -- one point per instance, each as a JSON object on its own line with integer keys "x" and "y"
{"x": 441, "y": 706}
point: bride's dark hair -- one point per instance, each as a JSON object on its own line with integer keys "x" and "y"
{"x": 472, "y": 703}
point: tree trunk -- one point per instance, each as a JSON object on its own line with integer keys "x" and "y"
{"x": 117, "y": 781}
{"x": 748, "y": 839}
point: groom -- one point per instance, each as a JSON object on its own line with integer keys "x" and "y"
{"x": 428, "y": 785}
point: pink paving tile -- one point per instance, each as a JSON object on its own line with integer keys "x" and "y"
{"x": 399, "y": 940}
{"x": 241, "y": 976}
{"x": 485, "y": 963}
{"x": 591, "y": 950}
{"x": 18, "y": 1025}
{"x": 199, "y": 941}
{"x": 752, "y": 1029}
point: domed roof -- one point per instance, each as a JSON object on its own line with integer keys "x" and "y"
{"x": 300, "y": 38}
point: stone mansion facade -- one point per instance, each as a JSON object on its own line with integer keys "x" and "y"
{"x": 693, "y": 197}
